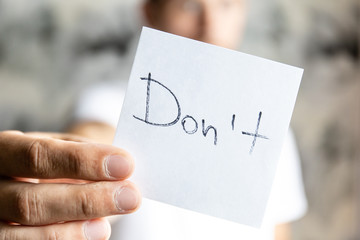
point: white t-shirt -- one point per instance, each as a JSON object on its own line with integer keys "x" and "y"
{"x": 158, "y": 221}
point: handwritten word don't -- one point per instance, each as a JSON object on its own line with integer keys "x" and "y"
{"x": 206, "y": 130}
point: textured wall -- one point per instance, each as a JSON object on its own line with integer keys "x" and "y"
{"x": 323, "y": 38}
{"x": 50, "y": 49}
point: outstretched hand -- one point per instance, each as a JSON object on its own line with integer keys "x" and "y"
{"x": 58, "y": 186}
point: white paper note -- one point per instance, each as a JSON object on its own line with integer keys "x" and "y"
{"x": 206, "y": 125}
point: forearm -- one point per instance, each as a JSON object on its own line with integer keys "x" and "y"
{"x": 99, "y": 132}
{"x": 283, "y": 231}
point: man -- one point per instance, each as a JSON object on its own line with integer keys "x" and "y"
{"x": 61, "y": 208}
{"x": 218, "y": 22}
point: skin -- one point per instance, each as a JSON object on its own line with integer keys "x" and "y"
{"x": 202, "y": 20}
{"x": 41, "y": 172}
{"x": 218, "y": 22}
{"x": 283, "y": 232}
{"x": 97, "y": 131}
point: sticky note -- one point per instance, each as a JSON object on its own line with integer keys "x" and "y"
{"x": 206, "y": 125}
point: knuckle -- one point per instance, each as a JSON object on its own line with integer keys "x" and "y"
{"x": 36, "y": 155}
{"x": 86, "y": 206}
{"x": 74, "y": 163}
{"x": 28, "y": 208}
{"x": 42, "y": 162}
{"x": 53, "y": 235}
{"x": 10, "y": 132}
{"x": 5, "y": 234}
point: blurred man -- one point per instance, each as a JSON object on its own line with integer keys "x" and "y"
{"x": 218, "y": 22}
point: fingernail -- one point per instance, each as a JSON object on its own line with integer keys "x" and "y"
{"x": 118, "y": 166}
{"x": 96, "y": 230}
{"x": 127, "y": 199}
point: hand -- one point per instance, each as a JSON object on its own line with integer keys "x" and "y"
{"x": 56, "y": 186}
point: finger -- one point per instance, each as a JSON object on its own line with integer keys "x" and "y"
{"x": 39, "y": 204}
{"x": 27, "y": 156}
{"x": 60, "y": 136}
{"x": 83, "y": 230}
{"x": 63, "y": 180}
{"x": 57, "y": 180}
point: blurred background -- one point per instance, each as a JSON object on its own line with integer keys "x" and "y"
{"x": 51, "y": 49}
